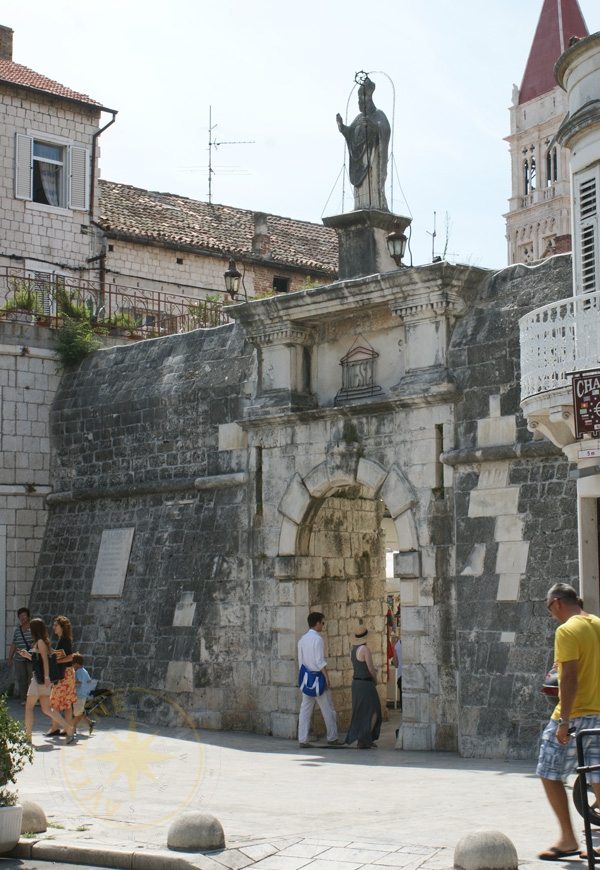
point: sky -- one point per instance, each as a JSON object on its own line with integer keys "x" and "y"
{"x": 276, "y": 74}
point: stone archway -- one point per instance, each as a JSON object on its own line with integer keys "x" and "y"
{"x": 332, "y": 558}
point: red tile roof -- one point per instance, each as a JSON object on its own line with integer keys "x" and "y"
{"x": 22, "y": 76}
{"x": 559, "y": 21}
{"x": 168, "y": 219}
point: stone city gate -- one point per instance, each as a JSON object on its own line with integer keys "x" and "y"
{"x": 332, "y": 558}
{"x": 251, "y": 491}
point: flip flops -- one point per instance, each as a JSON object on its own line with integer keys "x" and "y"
{"x": 556, "y": 854}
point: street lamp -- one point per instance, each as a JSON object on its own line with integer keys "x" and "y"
{"x": 232, "y": 279}
{"x": 396, "y": 242}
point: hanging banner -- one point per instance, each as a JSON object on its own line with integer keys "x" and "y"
{"x": 586, "y": 404}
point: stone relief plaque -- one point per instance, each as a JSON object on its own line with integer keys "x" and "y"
{"x": 112, "y": 562}
{"x": 358, "y": 374}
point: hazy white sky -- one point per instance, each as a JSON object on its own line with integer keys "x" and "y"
{"x": 277, "y": 73}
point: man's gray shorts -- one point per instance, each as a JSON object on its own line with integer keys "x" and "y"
{"x": 557, "y": 761}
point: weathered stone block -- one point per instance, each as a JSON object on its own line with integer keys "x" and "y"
{"x": 284, "y": 619}
{"x": 512, "y": 557}
{"x": 287, "y": 538}
{"x": 232, "y": 437}
{"x": 494, "y": 475}
{"x": 296, "y": 500}
{"x": 286, "y": 645}
{"x": 416, "y": 738}
{"x": 415, "y": 620}
{"x": 509, "y": 528}
{"x": 496, "y": 430}
{"x": 370, "y": 473}
{"x": 180, "y": 677}
{"x": 474, "y": 564}
{"x": 397, "y": 493}
{"x": 317, "y": 481}
{"x": 284, "y": 725}
{"x": 508, "y": 587}
{"x": 407, "y": 565}
{"x": 494, "y": 502}
{"x": 406, "y": 531}
{"x": 284, "y": 673}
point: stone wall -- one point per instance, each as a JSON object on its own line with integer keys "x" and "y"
{"x": 516, "y": 521}
{"x": 29, "y": 378}
{"x": 136, "y": 265}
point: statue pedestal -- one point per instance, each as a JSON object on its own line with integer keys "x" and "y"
{"x": 362, "y": 237}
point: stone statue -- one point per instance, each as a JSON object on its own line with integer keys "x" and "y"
{"x": 368, "y": 138}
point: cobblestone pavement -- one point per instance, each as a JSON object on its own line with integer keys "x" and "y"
{"x": 116, "y": 793}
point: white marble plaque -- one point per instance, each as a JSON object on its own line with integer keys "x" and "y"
{"x": 112, "y": 562}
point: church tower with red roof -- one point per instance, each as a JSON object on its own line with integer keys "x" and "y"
{"x": 538, "y": 223}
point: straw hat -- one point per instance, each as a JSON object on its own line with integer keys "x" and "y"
{"x": 360, "y": 632}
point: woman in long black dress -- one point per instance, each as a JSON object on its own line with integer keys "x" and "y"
{"x": 366, "y": 706}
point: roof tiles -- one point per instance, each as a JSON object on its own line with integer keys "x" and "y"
{"x": 16, "y": 74}
{"x": 168, "y": 219}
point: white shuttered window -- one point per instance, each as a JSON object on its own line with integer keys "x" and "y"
{"x": 587, "y": 214}
{"x": 51, "y": 173}
{"x": 24, "y": 167}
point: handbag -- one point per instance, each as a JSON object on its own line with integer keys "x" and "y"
{"x": 38, "y": 668}
{"x": 311, "y": 683}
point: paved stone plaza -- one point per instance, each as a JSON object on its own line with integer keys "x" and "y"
{"x": 281, "y": 808}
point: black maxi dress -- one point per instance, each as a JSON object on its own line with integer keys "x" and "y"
{"x": 365, "y": 702}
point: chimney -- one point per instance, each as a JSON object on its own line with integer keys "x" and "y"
{"x": 261, "y": 240}
{"x": 6, "y": 43}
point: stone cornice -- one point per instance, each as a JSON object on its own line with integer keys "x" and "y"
{"x": 281, "y": 333}
{"x": 429, "y": 305}
{"x": 311, "y": 307}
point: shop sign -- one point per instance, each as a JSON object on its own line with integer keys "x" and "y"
{"x": 586, "y": 404}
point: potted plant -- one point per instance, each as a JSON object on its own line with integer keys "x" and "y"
{"x": 24, "y": 302}
{"x": 15, "y": 752}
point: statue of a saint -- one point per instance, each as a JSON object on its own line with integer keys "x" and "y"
{"x": 368, "y": 138}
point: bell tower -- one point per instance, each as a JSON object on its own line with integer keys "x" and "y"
{"x": 538, "y": 223}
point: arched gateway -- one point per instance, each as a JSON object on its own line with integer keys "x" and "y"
{"x": 331, "y": 557}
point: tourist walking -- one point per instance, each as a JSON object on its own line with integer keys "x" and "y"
{"x": 40, "y": 686}
{"x": 366, "y": 706}
{"x": 64, "y": 693}
{"x": 313, "y": 681}
{"x": 397, "y": 663}
{"x": 83, "y": 685}
{"x": 577, "y": 652}
{"x": 21, "y": 640}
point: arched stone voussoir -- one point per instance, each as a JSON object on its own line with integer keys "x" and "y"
{"x": 397, "y": 493}
{"x": 288, "y": 538}
{"x": 370, "y": 474}
{"x": 317, "y": 481}
{"x": 296, "y": 500}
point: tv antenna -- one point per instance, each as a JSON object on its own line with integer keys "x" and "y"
{"x": 213, "y": 144}
{"x": 433, "y": 235}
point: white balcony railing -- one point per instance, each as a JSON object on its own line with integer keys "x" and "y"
{"x": 557, "y": 340}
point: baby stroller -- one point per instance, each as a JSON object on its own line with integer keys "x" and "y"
{"x": 96, "y": 703}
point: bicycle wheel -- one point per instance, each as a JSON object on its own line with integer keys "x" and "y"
{"x": 591, "y": 800}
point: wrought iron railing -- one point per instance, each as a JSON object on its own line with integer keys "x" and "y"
{"x": 47, "y": 299}
{"x": 557, "y": 340}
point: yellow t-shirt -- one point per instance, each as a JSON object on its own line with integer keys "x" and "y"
{"x": 579, "y": 638}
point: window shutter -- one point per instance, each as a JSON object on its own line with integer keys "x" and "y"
{"x": 24, "y": 167}
{"x": 587, "y": 211}
{"x": 78, "y": 178}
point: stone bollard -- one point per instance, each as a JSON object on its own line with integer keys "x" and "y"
{"x": 34, "y": 818}
{"x": 196, "y": 832}
{"x": 485, "y": 850}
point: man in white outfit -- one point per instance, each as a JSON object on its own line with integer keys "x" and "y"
{"x": 311, "y": 654}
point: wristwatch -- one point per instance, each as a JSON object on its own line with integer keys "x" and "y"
{"x": 563, "y": 721}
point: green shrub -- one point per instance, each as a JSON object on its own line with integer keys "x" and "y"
{"x": 74, "y": 341}
{"x": 15, "y": 752}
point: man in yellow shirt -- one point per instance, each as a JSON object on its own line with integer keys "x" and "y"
{"x": 577, "y": 652}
